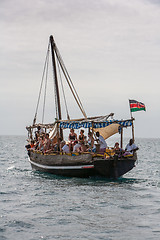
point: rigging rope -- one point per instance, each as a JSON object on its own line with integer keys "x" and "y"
{"x": 60, "y": 63}
{"x": 35, "y": 117}
{"x": 65, "y": 101}
{"x": 69, "y": 81}
{"x": 45, "y": 91}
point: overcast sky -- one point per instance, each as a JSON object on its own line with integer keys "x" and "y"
{"x": 111, "y": 49}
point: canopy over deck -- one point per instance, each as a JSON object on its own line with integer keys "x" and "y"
{"x": 102, "y": 124}
{"x": 92, "y": 124}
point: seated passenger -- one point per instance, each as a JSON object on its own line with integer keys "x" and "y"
{"x": 32, "y": 144}
{"x": 102, "y": 142}
{"x": 82, "y": 148}
{"x": 81, "y": 136}
{"x": 57, "y": 145}
{"x": 61, "y": 144}
{"x": 72, "y": 137}
{"x": 39, "y": 132}
{"x": 53, "y": 146}
{"x": 130, "y": 148}
{"x": 37, "y": 135}
{"x": 40, "y": 143}
{"x": 65, "y": 148}
{"x": 47, "y": 142}
{"x": 117, "y": 149}
{"x": 76, "y": 146}
{"x": 91, "y": 146}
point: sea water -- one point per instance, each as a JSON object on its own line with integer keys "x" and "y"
{"x": 36, "y": 206}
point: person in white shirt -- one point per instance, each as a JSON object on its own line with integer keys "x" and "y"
{"x": 131, "y": 147}
{"x": 102, "y": 142}
{"x": 76, "y": 146}
{"x": 65, "y": 148}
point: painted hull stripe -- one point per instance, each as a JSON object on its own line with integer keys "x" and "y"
{"x": 61, "y": 167}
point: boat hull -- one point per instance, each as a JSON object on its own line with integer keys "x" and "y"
{"x": 114, "y": 168}
{"x": 83, "y": 165}
{"x": 81, "y": 171}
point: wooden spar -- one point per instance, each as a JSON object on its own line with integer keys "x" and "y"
{"x": 88, "y": 118}
{"x": 92, "y": 139}
{"x": 56, "y": 83}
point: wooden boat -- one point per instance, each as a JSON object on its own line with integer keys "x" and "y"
{"x": 77, "y": 164}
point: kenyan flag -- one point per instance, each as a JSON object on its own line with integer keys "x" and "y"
{"x": 136, "y": 106}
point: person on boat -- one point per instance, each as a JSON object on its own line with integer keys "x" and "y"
{"x": 117, "y": 150}
{"x": 62, "y": 143}
{"x": 57, "y": 144}
{"x": 47, "y": 142}
{"x": 31, "y": 145}
{"x": 40, "y": 143}
{"x": 65, "y": 148}
{"x": 90, "y": 143}
{"x": 52, "y": 146}
{"x": 39, "y": 132}
{"x": 81, "y": 136}
{"x": 76, "y": 146}
{"x": 130, "y": 148}
{"x": 37, "y": 135}
{"x": 82, "y": 148}
{"x": 102, "y": 142}
{"x": 72, "y": 137}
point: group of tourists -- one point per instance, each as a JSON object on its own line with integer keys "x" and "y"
{"x": 42, "y": 143}
{"x": 129, "y": 149}
{"x": 92, "y": 143}
{"x": 81, "y": 143}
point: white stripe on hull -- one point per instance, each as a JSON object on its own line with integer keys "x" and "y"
{"x": 61, "y": 167}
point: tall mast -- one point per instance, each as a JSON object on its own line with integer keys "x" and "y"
{"x": 56, "y": 81}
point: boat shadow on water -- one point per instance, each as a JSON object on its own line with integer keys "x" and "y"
{"x": 86, "y": 181}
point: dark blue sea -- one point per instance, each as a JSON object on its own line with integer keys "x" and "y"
{"x": 37, "y": 206}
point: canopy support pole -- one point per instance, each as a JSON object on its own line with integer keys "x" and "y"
{"x": 122, "y": 137}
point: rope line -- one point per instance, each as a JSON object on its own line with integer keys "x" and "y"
{"x": 45, "y": 91}
{"x": 44, "y": 69}
{"x": 61, "y": 67}
{"x": 69, "y": 81}
{"x": 65, "y": 101}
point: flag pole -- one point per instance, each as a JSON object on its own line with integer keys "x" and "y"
{"x": 132, "y": 123}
